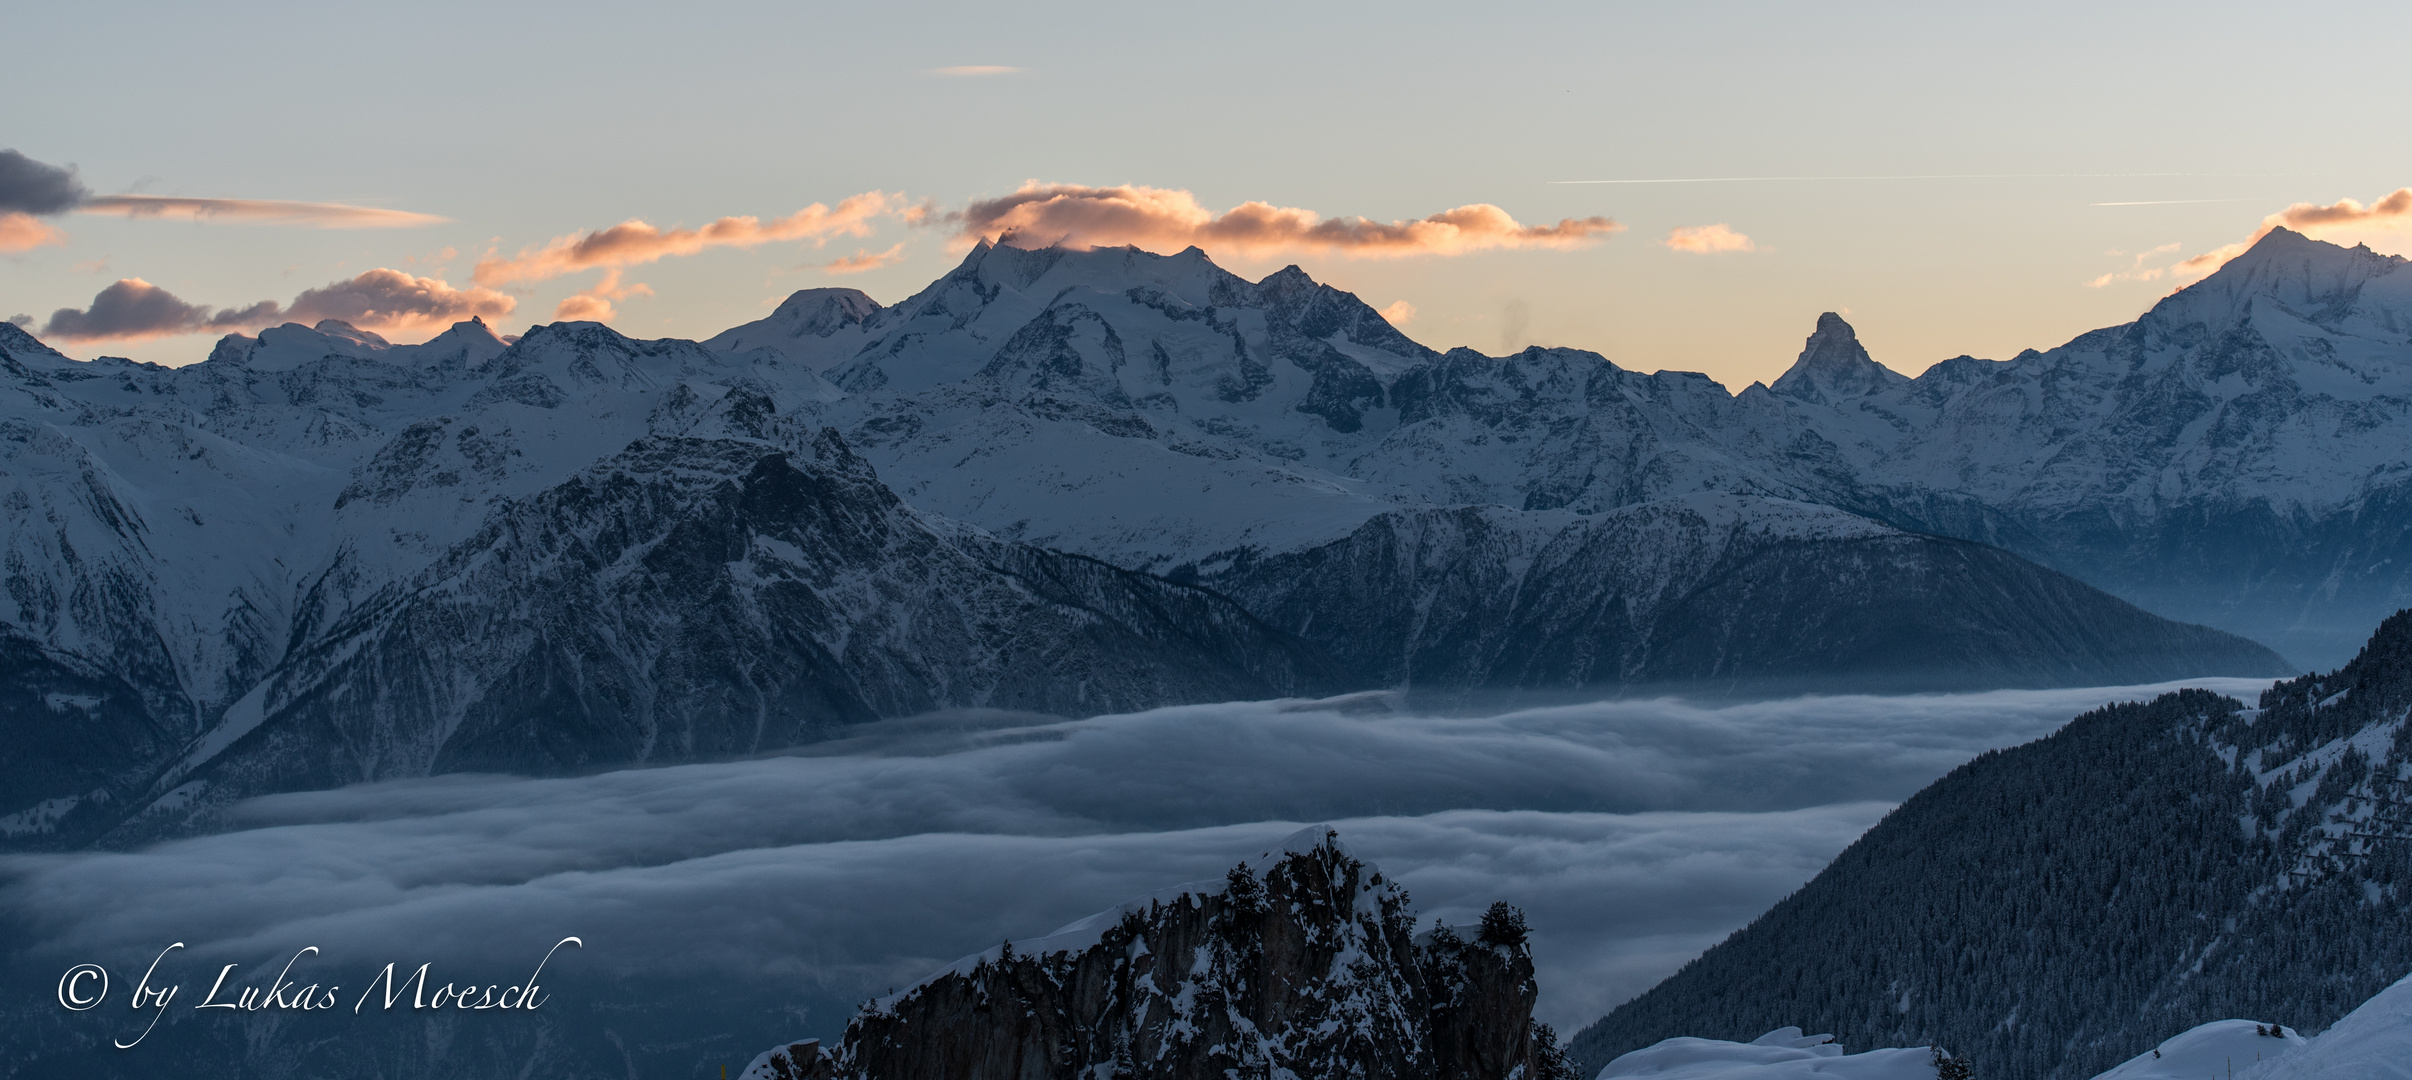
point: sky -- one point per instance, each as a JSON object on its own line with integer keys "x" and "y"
{"x": 1953, "y": 178}
{"x": 1633, "y": 833}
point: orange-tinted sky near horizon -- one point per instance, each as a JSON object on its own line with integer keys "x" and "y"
{"x": 1954, "y": 181}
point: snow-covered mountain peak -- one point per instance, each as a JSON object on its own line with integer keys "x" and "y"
{"x": 821, "y": 312}
{"x": 816, "y": 327}
{"x": 23, "y": 356}
{"x": 2312, "y": 279}
{"x": 1189, "y": 273}
{"x": 1834, "y": 367}
{"x": 349, "y": 332}
{"x": 471, "y": 341}
{"x": 292, "y": 346}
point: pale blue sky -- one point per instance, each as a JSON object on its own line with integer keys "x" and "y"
{"x": 527, "y": 122}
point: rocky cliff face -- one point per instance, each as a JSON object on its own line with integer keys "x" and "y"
{"x": 1301, "y": 964}
{"x": 2058, "y": 907}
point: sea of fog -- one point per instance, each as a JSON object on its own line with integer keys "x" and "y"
{"x": 1633, "y": 833}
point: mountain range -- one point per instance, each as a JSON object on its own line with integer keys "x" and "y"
{"x": 1104, "y": 480}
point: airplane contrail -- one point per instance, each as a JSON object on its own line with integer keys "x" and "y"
{"x": 2166, "y": 202}
{"x": 1916, "y": 176}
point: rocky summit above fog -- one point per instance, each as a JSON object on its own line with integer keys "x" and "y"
{"x": 1104, "y": 480}
{"x": 1304, "y": 962}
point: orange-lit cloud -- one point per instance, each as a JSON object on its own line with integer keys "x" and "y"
{"x": 381, "y": 300}
{"x": 1708, "y": 239}
{"x": 395, "y": 302}
{"x": 595, "y": 304}
{"x": 25, "y": 232}
{"x": 1399, "y": 313}
{"x": 976, "y": 70}
{"x": 864, "y": 259}
{"x": 1165, "y": 219}
{"x": 2392, "y": 213}
{"x": 256, "y": 212}
{"x": 2137, "y": 271}
{"x": 634, "y": 242}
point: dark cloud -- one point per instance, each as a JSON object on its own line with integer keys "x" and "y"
{"x": 32, "y": 187}
{"x": 21, "y": 320}
{"x": 133, "y": 309}
{"x": 380, "y": 300}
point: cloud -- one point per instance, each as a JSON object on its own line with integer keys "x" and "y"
{"x": 25, "y": 232}
{"x": 380, "y": 300}
{"x": 32, "y": 187}
{"x": 391, "y": 301}
{"x": 1634, "y": 833}
{"x": 977, "y": 69}
{"x": 29, "y": 187}
{"x": 133, "y": 310}
{"x": 257, "y": 212}
{"x": 2137, "y": 271}
{"x": 2391, "y": 213}
{"x": 1708, "y": 239}
{"x": 635, "y": 242}
{"x": 21, "y": 320}
{"x": 1170, "y": 219}
{"x": 865, "y": 259}
{"x": 1399, "y": 313}
{"x": 595, "y": 304}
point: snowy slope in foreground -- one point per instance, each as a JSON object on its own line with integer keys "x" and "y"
{"x": 1782, "y": 1054}
{"x": 2220, "y": 1048}
{"x": 2373, "y": 1042}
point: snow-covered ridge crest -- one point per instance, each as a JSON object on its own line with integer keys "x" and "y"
{"x": 1782, "y": 1054}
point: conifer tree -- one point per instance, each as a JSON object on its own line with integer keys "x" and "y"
{"x": 1503, "y": 925}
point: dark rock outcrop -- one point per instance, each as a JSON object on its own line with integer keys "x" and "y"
{"x": 1304, "y": 963}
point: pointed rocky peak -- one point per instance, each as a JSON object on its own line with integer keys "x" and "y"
{"x": 1834, "y": 368}
{"x": 470, "y": 342}
{"x": 25, "y": 357}
{"x": 1287, "y": 281}
{"x": 2313, "y": 278}
{"x": 14, "y": 339}
{"x": 472, "y": 329}
{"x": 1319, "y": 312}
{"x": 16, "y": 343}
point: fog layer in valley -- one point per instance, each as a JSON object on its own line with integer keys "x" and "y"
{"x": 785, "y": 890}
